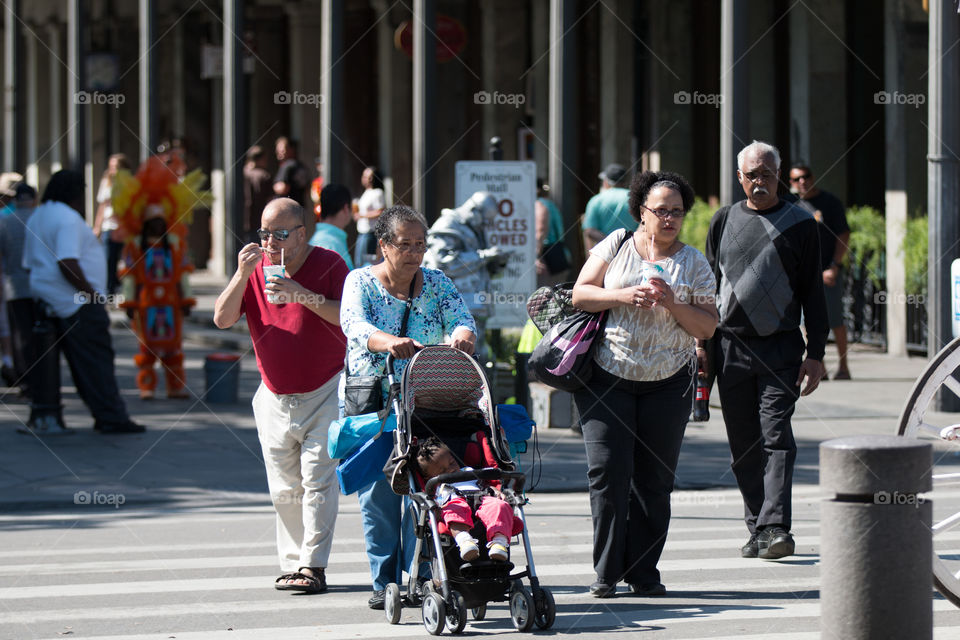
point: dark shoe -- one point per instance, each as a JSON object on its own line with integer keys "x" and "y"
{"x": 118, "y": 427}
{"x": 601, "y": 590}
{"x": 775, "y": 542}
{"x": 376, "y": 600}
{"x": 648, "y": 589}
{"x": 843, "y": 374}
{"x": 750, "y": 549}
{"x": 825, "y": 377}
{"x": 8, "y": 375}
{"x": 46, "y": 426}
{"x": 313, "y": 582}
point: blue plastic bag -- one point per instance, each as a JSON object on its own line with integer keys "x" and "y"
{"x": 365, "y": 466}
{"x": 517, "y": 426}
{"x": 346, "y": 435}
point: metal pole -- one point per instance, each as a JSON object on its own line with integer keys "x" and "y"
{"x": 331, "y": 86}
{"x": 234, "y": 118}
{"x": 424, "y": 78}
{"x": 12, "y": 87}
{"x": 76, "y": 83}
{"x": 943, "y": 176}
{"x": 561, "y": 132}
{"x": 876, "y": 526}
{"x": 147, "y": 74}
{"x": 734, "y": 120}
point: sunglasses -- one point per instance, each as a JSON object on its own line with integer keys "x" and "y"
{"x": 279, "y": 235}
{"x": 805, "y": 176}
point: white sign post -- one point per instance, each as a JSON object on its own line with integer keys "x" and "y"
{"x": 514, "y": 185}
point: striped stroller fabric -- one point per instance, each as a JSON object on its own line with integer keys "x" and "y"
{"x": 444, "y": 379}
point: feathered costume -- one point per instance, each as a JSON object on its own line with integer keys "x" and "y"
{"x": 156, "y": 288}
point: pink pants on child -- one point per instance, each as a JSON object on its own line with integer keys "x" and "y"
{"x": 494, "y": 513}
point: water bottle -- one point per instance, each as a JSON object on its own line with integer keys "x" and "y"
{"x": 701, "y": 401}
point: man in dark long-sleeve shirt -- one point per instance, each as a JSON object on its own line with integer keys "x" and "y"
{"x": 766, "y": 254}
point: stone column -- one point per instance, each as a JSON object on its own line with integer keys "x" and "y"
{"x": 616, "y": 82}
{"x": 306, "y": 40}
{"x": 734, "y": 110}
{"x": 896, "y": 180}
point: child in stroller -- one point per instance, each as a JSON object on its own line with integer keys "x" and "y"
{"x": 443, "y": 405}
{"x": 435, "y": 458}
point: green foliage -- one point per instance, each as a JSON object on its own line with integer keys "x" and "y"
{"x": 914, "y": 249}
{"x": 867, "y": 240}
{"x": 696, "y": 224}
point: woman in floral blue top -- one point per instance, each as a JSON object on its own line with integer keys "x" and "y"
{"x": 371, "y": 314}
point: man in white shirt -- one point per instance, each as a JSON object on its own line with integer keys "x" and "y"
{"x": 68, "y": 277}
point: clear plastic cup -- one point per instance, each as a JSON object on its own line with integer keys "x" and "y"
{"x": 270, "y": 271}
{"x": 652, "y": 270}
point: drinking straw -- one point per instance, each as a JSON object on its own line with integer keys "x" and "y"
{"x": 281, "y": 256}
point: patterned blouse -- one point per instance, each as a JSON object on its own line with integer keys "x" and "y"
{"x": 649, "y": 344}
{"x": 367, "y": 307}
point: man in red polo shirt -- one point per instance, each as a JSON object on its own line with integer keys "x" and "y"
{"x": 294, "y": 322}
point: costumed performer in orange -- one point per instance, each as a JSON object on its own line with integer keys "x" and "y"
{"x": 154, "y": 207}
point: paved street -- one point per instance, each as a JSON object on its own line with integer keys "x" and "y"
{"x": 206, "y": 573}
{"x": 169, "y": 534}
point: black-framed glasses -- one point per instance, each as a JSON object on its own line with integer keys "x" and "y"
{"x": 408, "y": 247}
{"x": 279, "y": 235}
{"x": 663, "y": 214}
{"x": 805, "y": 176}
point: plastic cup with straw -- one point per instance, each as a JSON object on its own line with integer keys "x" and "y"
{"x": 274, "y": 270}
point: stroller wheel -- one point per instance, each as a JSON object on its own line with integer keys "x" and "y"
{"x": 456, "y": 613}
{"x": 522, "y": 609}
{"x": 479, "y": 613}
{"x": 434, "y": 613}
{"x": 546, "y": 609}
{"x": 391, "y": 603}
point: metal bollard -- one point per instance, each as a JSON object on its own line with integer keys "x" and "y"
{"x": 876, "y": 545}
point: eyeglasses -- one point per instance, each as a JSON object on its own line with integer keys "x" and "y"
{"x": 279, "y": 235}
{"x": 663, "y": 214}
{"x": 406, "y": 247}
{"x": 805, "y": 176}
{"x": 762, "y": 176}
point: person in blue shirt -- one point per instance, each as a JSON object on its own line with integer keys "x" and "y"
{"x": 609, "y": 210}
{"x": 335, "y": 214}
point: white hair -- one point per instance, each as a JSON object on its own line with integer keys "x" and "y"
{"x": 760, "y": 148}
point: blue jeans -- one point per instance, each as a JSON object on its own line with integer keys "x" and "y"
{"x": 388, "y": 533}
{"x": 366, "y": 245}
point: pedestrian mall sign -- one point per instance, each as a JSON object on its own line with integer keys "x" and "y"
{"x": 514, "y": 185}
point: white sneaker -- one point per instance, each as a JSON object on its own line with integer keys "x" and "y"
{"x": 469, "y": 550}
{"x": 498, "y": 551}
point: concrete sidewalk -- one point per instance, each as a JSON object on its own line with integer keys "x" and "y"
{"x": 199, "y": 453}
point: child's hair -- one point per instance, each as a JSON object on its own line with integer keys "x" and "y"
{"x": 424, "y": 452}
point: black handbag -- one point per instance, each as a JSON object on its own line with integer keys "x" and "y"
{"x": 364, "y": 394}
{"x": 554, "y": 257}
{"x": 563, "y": 358}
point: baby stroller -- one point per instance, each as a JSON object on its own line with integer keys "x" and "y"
{"x": 444, "y": 393}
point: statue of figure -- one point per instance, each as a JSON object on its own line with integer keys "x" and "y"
{"x": 457, "y": 245}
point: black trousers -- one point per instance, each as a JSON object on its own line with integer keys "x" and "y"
{"x": 20, "y": 315}
{"x": 84, "y": 339}
{"x": 757, "y": 383}
{"x": 632, "y": 432}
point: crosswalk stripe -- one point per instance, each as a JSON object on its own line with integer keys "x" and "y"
{"x": 598, "y": 618}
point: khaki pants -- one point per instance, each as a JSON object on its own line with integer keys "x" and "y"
{"x": 300, "y": 474}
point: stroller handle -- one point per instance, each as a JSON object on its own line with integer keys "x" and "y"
{"x": 491, "y": 473}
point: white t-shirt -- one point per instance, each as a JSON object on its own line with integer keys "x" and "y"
{"x": 370, "y": 200}
{"x": 56, "y": 232}
{"x": 649, "y": 344}
{"x": 105, "y": 197}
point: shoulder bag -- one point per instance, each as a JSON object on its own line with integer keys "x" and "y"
{"x": 364, "y": 394}
{"x": 563, "y": 358}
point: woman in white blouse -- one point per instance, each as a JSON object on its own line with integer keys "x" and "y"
{"x": 659, "y": 297}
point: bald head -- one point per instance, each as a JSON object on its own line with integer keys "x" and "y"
{"x": 283, "y": 211}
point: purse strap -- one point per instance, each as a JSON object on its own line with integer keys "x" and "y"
{"x": 403, "y": 323}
